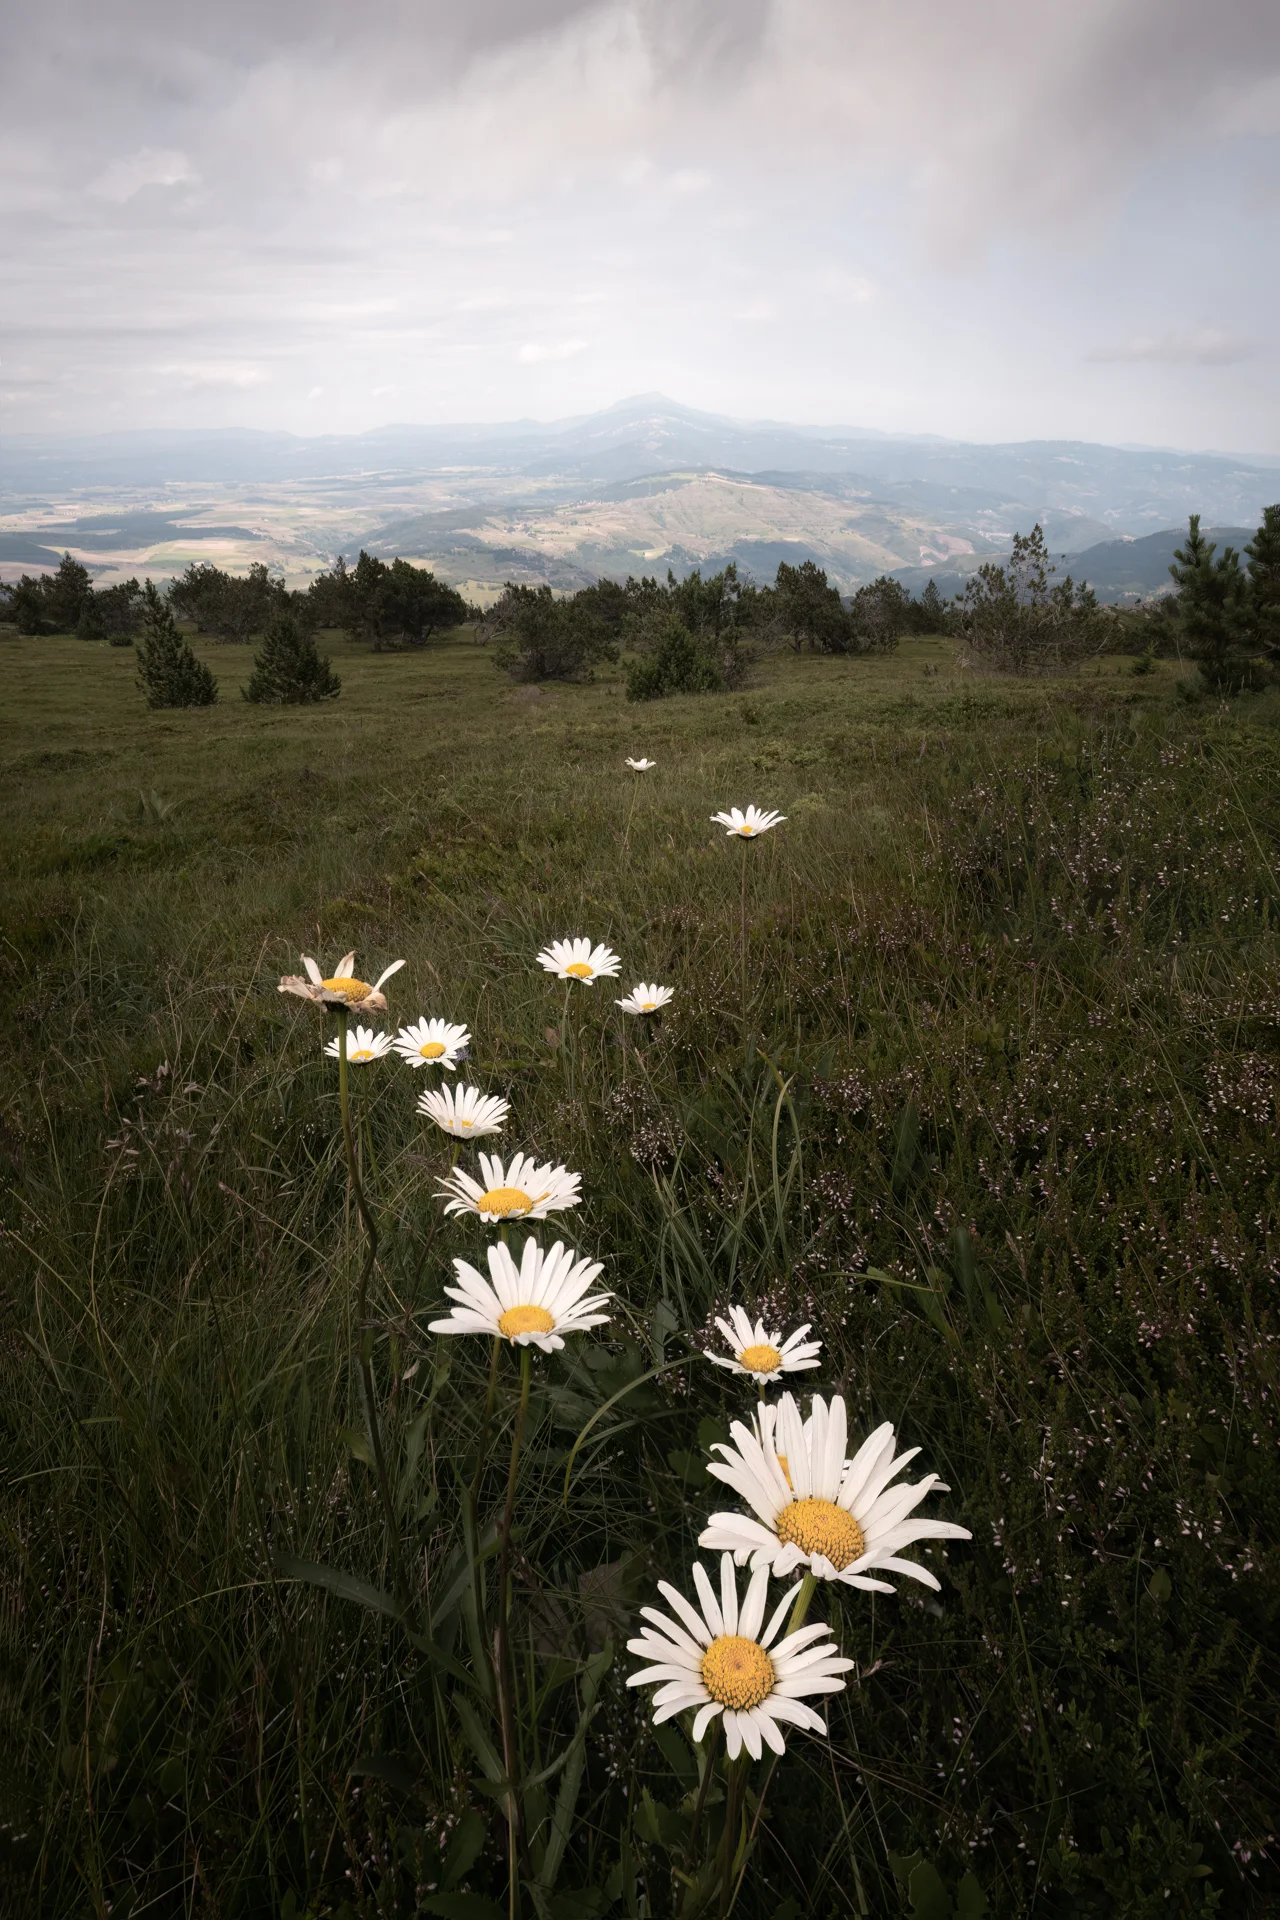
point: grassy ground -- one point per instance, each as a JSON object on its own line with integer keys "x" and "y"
{"x": 1014, "y": 954}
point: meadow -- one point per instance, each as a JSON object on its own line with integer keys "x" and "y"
{"x": 989, "y": 1098}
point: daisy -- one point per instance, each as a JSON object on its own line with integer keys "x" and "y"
{"x": 641, "y": 766}
{"x": 434, "y": 1043}
{"x": 579, "y": 960}
{"x": 534, "y": 1304}
{"x": 644, "y": 999}
{"x": 719, "y": 1661}
{"x": 764, "y": 1356}
{"x": 343, "y": 990}
{"x": 523, "y": 1190}
{"x": 839, "y": 1518}
{"x": 464, "y": 1111}
{"x": 362, "y": 1044}
{"x": 755, "y": 820}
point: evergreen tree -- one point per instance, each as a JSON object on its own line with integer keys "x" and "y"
{"x": 168, "y": 672}
{"x": 91, "y": 625}
{"x": 1214, "y": 612}
{"x": 933, "y": 610}
{"x": 287, "y": 669}
{"x": 1264, "y": 582}
{"x": 65, "y": 593}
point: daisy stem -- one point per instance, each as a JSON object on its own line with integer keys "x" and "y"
{"x": 362, "y": 1314}
{"x": 504, "y": 1674}
{"x": 735, "y": 1785}
{"x": 708, "y": 1774}
{"x": 566, "y": 1051}
{"x": 635, "y": 794}
{"x": 801, "y": 1606}
{"x": 743, "y": 933}
{"x": 798, "y": 1612}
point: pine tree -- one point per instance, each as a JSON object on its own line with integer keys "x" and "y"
{"x": 287, "y": 670}
{"x": 1213, "y": 611}
{"x": 1264, "y": 582}
{"x": 933, "y": 610}
{"x": 168, "y": 672}
{"x": 91, "y": 625}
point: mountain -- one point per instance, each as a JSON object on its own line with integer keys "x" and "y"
{"x": 1090, "y": 489}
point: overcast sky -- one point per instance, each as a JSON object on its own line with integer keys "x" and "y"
{"x": 981, "y": 218}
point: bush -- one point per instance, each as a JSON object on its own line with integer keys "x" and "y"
{"x": 679, "y": 662}
{"x": 388, "y": 606}
{"x": 287, "y": 669}
{"x": 1012, "y": 619}
{"x": 112, "y": 614}
{"x": 542, "y": 638}
{"x": 168, "y": 672}
{"x": 232, "y": 606}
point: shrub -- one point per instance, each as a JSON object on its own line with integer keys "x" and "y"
{"x": 112, "y": 614}
{"x": 542, "y": 638}
{"x": 229, "y": 605}
{"x": 287, "y": 669}
{"x": 680, "y": 662}
{"x": 388, "y": 606}
{"x": 168, "y": 672}
{"x": 1014, "y": 620}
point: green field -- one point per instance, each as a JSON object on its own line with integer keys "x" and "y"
{"x": 1010, "y": 1044}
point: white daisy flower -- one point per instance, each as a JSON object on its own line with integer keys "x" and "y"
{"x": 643, "y": 999}
{"x": 641, "y": 766}
{"x": 362, "y": 1044}
{"x": 579, "y": 960}
{"x": 719, "y": 1661}
{"x": 342, "y": 989}
{"x": 521, "y": 1191}
{"x": 432, "y": 1043}
{"x": 464, "y": 1111}
{"x": 746, "y": 825}
{"x": 764, "y": 1356}
{"x": 839, "y": 1518}
{"x": 534, "y": 1304}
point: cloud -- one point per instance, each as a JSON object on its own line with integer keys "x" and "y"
{"x": 533, "y": 352}
{"x": 148, "y": 167}
{"x": 1205, "y": 347}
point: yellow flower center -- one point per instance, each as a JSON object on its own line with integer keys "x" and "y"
{"x": 517, "y": 1320}
{"x": 746, "y": 829}
{"x": 580, "y": 970}
{"x": 648, "y": 1006}
{"x": 360, "y": 1053}
{"x": 820, "y": 1526}
{"x": 504, "y": 1201}
{"x": 464, "y": 1123}
{"x": 761, "y": 1359}
{"x": 351, "y": 990}
{"x": 431, "y": 1050}
{"x": 737, "y": 1672}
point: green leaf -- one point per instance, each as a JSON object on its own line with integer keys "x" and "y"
{"x": 465, "y": 1847}
{"x": 357, "y": 1444}
{"x": 1160, "y": 1586}
{"x": 584, "y": 1903}
{"x": 345, "y": 1585}
{"x": 929, "y": 1898}
{"x": 463, "y": 1906}
{"x": 389, "y": 1767}
{"x": 971, "y": 1901}
{"x": 689, "y": 1467}
{"x": 676, "y": 1754}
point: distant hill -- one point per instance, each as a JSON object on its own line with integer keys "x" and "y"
{"x": 1079, "y": 489}
{"x": 1119, "y": 571}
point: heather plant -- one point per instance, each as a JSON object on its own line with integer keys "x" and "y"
{"x": 970, "y": 1083}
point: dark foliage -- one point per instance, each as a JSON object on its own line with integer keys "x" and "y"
{"x": 112, "y": 614}
{"x": 168, "y": 672}
{"x": 677, "y": 661}
{"x": 1013, "y": 619}
{"x": 230, "y": 606}
{"x": 50, "y": 602}
{"x": 1264, "y": 583}
{"x": 288, "y": 670}
{"x": 539, "y": 637}
{"x": 386, "y": 606}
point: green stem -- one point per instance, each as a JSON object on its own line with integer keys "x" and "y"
{"x": 635, "y": 794}
{"x": 708, "y": 1773}
{"x": 798, "y": 1612}
{"x": 735, "y": 1785}
{"x": 362, "y": 1348}
{"x": 504, "y": 1674}
{"x": 743, "y": 932}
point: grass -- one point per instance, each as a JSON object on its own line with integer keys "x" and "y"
{"x": 999, "y": 1119}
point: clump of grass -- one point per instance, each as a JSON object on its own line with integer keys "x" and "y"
{"x": 1021, "y": 992}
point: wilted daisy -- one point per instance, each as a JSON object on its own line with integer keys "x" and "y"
{"x": 521, "y": 1191}
{"x": 839, "y": 1518}
{"x": 746, "y": 825}
{"x": 719, "y": 1661}
{"x": 765, "y": 1356}
{"x": 579, "y": 960}
{"x": 464, "y": 1111}
{"x": 643, "y": 999}
{"x": 432, "y": 1043}
{"x": 534, "y": 1304}
{"x": 641, "y": 766}
{"x": 342, "y": 989}
{"x": 362, "y": 1044}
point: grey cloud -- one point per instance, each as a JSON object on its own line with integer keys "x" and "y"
{"x": 1206, "y": 347}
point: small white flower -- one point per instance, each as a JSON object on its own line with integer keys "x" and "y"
{"x": 579, "y": 960}
{"x": 362, "y": 1044}
{"x": 432, "y": 1043}
{"x": 719, "y": 1661}
{"x": 839, "y": 1518}
{"x": 521, "y": 1191}
{"x": 641, "y": 766}
{"x": 747, "y": 825}
{"x": 464, "y": 1111}
{"x": 764, "y": 1356}
{"x": 643, "y": 999}
{"x": 534, "y": 1304}
{"x": 342, "y": 989}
